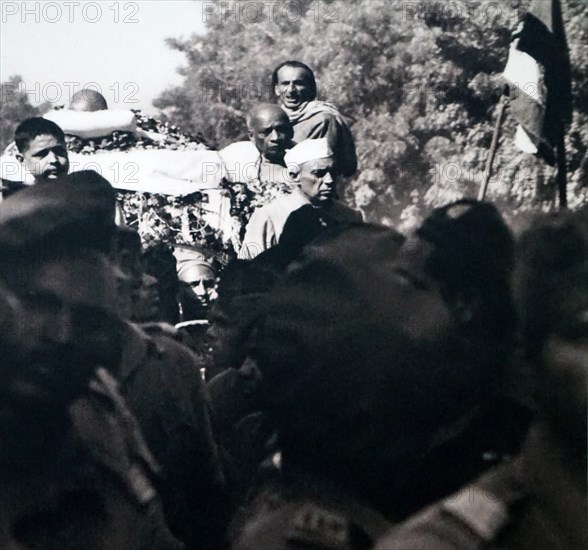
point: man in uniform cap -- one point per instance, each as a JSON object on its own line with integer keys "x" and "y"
{"x": 373, "y": 372}
{"x": 312, "y": 169}
{"x": 75, "y": 470}
{"x": 52, "y": 241}
{"x": 539, "y": 499}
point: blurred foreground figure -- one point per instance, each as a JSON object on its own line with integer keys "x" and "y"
{"x": 232, "y": 314}
{"x": 75, "y": 471}
{"x": 376, "y": 373}
{"x": 537, "y": 501}
{"x": 53, "y": 242}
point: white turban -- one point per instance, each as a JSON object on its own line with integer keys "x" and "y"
{"x": 309, "y": 149}
{"x": 190, "y": 263}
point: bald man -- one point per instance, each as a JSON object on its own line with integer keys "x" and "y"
{"x": 270, "y": 131}
{"x": 88, "y": 100}
{"x": 260, "y": 162}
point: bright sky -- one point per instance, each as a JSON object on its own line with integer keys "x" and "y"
{"x": 58, "y": 47}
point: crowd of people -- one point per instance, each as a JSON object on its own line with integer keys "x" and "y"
{"x": 344, "y": 386}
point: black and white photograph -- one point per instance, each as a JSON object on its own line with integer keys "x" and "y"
{"x": 294, "y": 275}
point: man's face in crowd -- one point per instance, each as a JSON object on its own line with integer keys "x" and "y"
{"x": 146, "y": 300}
{"x": 271, "y": 133}
{"x": 294, "y": 86}
{"x": 46, "y": 158}
{"x": 226, "y": 339}
{"x": 69, "y": 305}
{"x": 202, "y": 281}
{"x": 317, "y": 180}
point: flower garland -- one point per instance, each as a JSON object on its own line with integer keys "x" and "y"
{"x": 166, "y": 218}
{"x": 174, "y": 220}
{"x": 170, "y": 137}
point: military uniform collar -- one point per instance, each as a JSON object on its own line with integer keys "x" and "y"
{"x": 136, "y": 346}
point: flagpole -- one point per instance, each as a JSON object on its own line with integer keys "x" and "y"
{"x": 493, "y": 146}
{"x": 562, "y": 183}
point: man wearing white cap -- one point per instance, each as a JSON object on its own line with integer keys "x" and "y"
{"x": 311, "y": 167}
{"x": 197, "y": 279}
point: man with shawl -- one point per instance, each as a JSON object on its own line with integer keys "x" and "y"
{"x": 295, "y": 86}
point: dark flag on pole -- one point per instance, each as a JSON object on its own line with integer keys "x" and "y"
{"x": 539, "y": 79}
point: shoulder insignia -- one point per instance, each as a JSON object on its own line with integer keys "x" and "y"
{"x": 316, "y": 526}
{"x": 479, "y": 510}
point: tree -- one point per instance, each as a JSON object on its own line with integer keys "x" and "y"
{"x": 418, "y": 80}
{"x": 14, "y": 108}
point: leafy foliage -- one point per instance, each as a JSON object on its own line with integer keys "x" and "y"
{"x": 14, "y": 108}
{"x": 418, "y": 80}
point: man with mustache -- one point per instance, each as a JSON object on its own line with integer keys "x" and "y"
{"x": 295, "y": 87}
{"x": 197, "y": 281}
{"x": 312, "y": 168}
{"x": 54, "y": 241}
{"x": 75, "y": 471}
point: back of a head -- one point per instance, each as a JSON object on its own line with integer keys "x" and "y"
{"x": 241, "y": 286}
{"x": 75, "y": 213}
{"x": 551, "y": 285}
{"x": 355, "y": 242}
{"x": 477, "y": 246}
{"x": 303, "y": 227}
{"x": 88, "y": 100}
{"x": 552, "y": 259}
{"x": 268, "y": 110}
{"x": 241, "y": 278}
{"x": 30, "y": 128}
{"x": 344, "y": 380}
{"x": 473, "y": 262}
{"x": 126, "y": 251}
{"x": 127, "y": 239}
{"x": 160, "y": 262}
